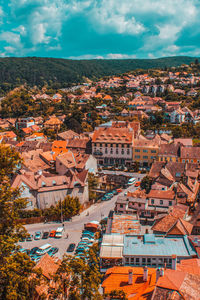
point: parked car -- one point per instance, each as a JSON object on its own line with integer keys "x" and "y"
{"x": 137, "y": 183}
{"x": 119, "y": 191}
{"x": 71, "y": 247}
{"x": 38, "y": 235}
{"x": 52, "y": 233}
{"x": 35, "y": 258}
{"x": 59, "y": 232}
{"x": 110, "y": 194}
{"x": 53, "y": 251}
{"x": 114, "y": 192}
{"x": 45, "y": 235}
{"x": 29, "y": 238}
{"x": 131, "y": 181}
{"x": 23, "y": 250}
{"x": 33, "y": 250}
{"x": 22, "y": 239}
{"x": 106, "y": 197}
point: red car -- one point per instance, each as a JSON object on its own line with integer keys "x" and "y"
{"x": 119, "y": 190}
{"x": 137, "y": 183}
{"x": 52, "y": 233}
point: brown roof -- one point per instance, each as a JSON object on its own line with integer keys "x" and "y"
{"x": 47, "y": 265}
{"x": 169, "y": 149}
{"x": 190, "y": 152}
{"x": 113, "y": 135}
{"x": 159, "y": 194}
{"x": 69, "y": 134}
{"x": 187, "y": 284}
{"x": 168, "y": 223}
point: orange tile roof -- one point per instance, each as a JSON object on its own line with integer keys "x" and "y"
{"x": 113, "y": 135}
{"x": 159, "y": 194}
{"x": 117, "y": 279}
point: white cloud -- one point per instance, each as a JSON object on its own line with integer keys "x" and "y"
{"x": 10, "y": 38}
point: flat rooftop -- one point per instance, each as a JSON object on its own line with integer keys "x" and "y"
{"x": 124, "y": 224}
{"x": 152, "y": 245}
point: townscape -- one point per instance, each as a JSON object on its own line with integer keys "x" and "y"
{"x": 108, "y": 175}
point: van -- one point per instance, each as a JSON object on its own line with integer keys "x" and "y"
{"x": 59, "y": 232}
{"x": 43, "y": 249}
{"x": 131, "y": 181}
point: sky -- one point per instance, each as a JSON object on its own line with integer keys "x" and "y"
{"x": 88, "y": 29}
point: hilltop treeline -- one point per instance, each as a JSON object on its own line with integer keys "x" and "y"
{"x": 63, "y": 72}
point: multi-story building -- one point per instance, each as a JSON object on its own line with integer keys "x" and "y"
{"x": 169, "y": 152}
{"x": 24, "y": 123}
{"x": 113, "y": 144}
{"x": 145, "y": 151}
{"x": 144, "y": 250}
{"x": 190, "y": 155}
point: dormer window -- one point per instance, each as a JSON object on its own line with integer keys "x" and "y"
{"x": 54, "y": 182}
{"x": 43, "y": 183}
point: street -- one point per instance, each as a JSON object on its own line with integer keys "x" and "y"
{"x": 74, "y": 227}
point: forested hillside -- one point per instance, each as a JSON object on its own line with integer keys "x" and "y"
{"x": 63, "y": 72}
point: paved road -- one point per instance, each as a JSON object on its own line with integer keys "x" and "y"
{"x": 73, "y": 228}
{"x": 128, "y": 174}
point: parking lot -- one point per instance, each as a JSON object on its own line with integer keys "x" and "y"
{"x": 62, "y": 243}
{"x": 74, "y": 227}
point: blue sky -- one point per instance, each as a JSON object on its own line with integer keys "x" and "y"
{"x": 99, "y": 28}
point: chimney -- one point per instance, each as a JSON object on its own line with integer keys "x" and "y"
{"x": 130, "y": 276}
{"x": 145, "y": 274}
{"x": 174, "y": 261}
{"x": 157, "y": 274}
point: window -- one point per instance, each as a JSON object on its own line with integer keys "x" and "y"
{"x": 116, "y": 145}
{"x": 161, "y": 202}
{"x": 122, "y": 151}
{"x": 121, "y": 205}
{"x": 128, "y": 146}
{"x": 122, "y": 146}
{"x": 106, "y": 150}
{"x": 128, "y": 151}
{"x": 137, "y": 156}
{"x": 95, "y": 144}
{"x": 145, "y": 151}
{"x": 153, "y": 151}
{"x": 127, "y": 260}
{"x": 170, "y": 203}
{"x": 137, "y": 150}
{"x": 161, "y": 159}
{"x": 117, "y": 151}
{"x": 111, "y": 145}
{"x": 183, "y": 160}
{"x": 145, "y": 157}
{"x": 139, "y": 205}
{"x": 192, "y": 161}
{"x": 111, "y": 151}
{"x": 137, "y": 260}
{"x": 132, "y": 260}
{"x": 106, "y": 145}
{"x": 148, "y": 260}
{"x": 100, "y": 145}
{"x": 144, "y": 260}
{"x": 152, "y": 201}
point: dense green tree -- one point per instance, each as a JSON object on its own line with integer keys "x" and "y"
{"x": 116, "y": 295}
{"x": 92, "y": 184}
{"x": 146, "y": 184}
{"x": 78, "y": 279}
{"x": 16, "y": 269}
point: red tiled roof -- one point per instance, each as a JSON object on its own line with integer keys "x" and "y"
{"x": 159, "y": 194}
